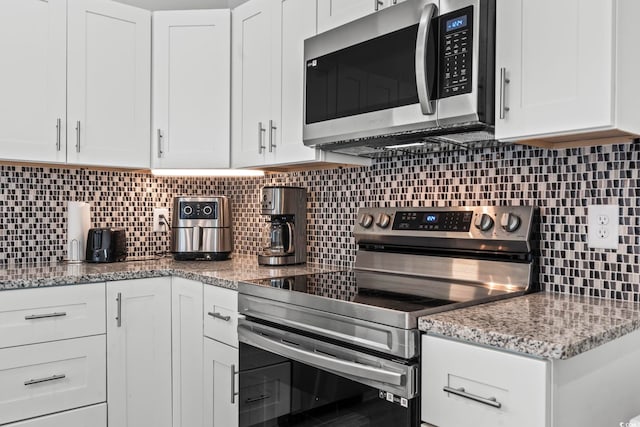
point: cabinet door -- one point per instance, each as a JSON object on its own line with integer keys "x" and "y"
{"x": 295, "y": 21}
{"x": 109, "y": 91}
{"x": 186, "y": 337}
{"x": 333, "y": 13}
{"x": 191, "y": 93}
{"x": 91, "y": 416}
{"x": 559, "y": 66}
{"x": 33, "y": 84}
{"x": 220, "y": 385}
{"x": 251, "y": 85}
{"x": 139, "y": 352}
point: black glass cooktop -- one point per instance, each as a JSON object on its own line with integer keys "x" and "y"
{"x": 352, "y": 286}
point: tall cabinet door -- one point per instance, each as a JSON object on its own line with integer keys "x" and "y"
{"x": 33, "y": 80}
{"x": 220, "y": 384}
{"x": 187, "y": 330}
{"x": 139, "y": 352}
{"x": 294, "y": 22}
{"x": 109, "y": 90}
{"x": 333, "y": 13}
{"x": 191, "y": 93}
{"x": 558, "y": 59}
{"x": 251, "y": 84}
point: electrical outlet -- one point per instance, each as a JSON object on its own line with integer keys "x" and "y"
{"x": 158, "y": 224}
{"x": 603, "y": 226}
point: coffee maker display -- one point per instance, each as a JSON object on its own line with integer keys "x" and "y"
{"x": 284, "y": 238}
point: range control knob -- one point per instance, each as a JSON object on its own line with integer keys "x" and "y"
{"x": 366, "y": 220}
{"x": 188, "y": 210}
{"x": 510, "y": 222}
{"x": 383, "y": 220}
{"x": 484, "y": 222}
{"x": 207, "y": 210}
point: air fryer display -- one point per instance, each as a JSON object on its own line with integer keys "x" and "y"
{"x": 198, "y": 210}
{"x": 456, "y": 52}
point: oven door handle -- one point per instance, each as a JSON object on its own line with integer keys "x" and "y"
{"x": 319, "y": 360}
{"x": 422, "y": 79}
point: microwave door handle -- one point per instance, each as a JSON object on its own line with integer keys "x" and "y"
{"x": 422, "y": 83}
{"x": 292, "y": 230}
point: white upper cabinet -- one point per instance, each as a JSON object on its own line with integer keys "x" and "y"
{"x": 191, "y": 90}
{"x": 566, "y": 72}
{"x": 32, "y": 87}
{"x": 109, "y": 84}
{"x": 268, "y": 85}
{"x": 333, "y": 13}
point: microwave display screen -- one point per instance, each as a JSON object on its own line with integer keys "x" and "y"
{"x": 454, "y": 24}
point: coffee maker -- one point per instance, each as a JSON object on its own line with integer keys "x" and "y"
{"x": 284, "y": 238}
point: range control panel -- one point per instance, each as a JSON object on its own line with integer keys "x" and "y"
{"x": 433, "y": 221}
{"x": 198, "y": 210}
{"x": 456, "y": 48}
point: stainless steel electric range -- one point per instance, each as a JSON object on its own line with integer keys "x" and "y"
{"x": 343, "y": 348}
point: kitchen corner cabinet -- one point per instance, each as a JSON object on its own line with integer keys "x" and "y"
{"x": 32, "y": 87}
{"x": 333, "y": 13}
{"x": 187, "y": 352}
{"x": 567, "y": 76}
{"x": 139, "y": 352}
{"x": 191, "y": 93}
{"x": 109, "y": 84}
{"x": 467, "y": 385}
{"x": 267, "y": 88}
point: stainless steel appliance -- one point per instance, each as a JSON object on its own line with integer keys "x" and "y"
{"x": 343, "y": 348}
{"x": 417, "y": 70}
{"x": 284, "y": 237}
{"x": 201, "y": 228}
{"x": 106, "y": 245}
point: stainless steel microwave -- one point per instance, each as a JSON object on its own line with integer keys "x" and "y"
{"x": 419, "y": 68}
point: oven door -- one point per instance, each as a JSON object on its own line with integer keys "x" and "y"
{"x": 373, "y": 76}
{"x": 290, "y": 380}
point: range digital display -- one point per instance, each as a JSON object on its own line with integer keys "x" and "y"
{"x": 433, "y": 221}
{"x": 431, "y": 218}
{"x": 456, "y": 23}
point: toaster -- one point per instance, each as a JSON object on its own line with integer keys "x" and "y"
{"x": 106, "y": 245}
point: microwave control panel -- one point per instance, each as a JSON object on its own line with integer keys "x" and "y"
{"x": 198, "y": 210}
{"x": 456, "y": 52}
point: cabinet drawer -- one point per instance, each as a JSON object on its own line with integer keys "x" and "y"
{"x": 92, "y": 416}
{"x": 481, "y": 379}
{"x": 29, "y": 316}
{"x": 44, "y": 378}
{"x": 221, "y": 314}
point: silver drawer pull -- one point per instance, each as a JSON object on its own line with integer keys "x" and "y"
{"x": 217, "y": 315}
{"x": 44, "y": 316}
{"x": 257, "y": 399}
{"x": 491, "y": 401}
{"x": 44, "y": 380}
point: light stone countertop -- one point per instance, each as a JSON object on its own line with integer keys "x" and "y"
{"x": 547, "y": 325}
{"x": 219, "y": 273}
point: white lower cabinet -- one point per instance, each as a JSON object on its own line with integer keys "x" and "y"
{"x": 467, "y": 385}
{"x": 220, "y": 384}
{"x": 187, "y": 352}
{"x": 139, "y": 352}
{"x": 41, "y": 379}
{"x": 91, "y": 416}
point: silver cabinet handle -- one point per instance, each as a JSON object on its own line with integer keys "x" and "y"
{"x": 261, "y": 131}
{"x": 119, "y": 310}
{"x": 271, "y": 129}
{"x": 377, "y": 4}
{"x": 422, "y": 79}
{"x": 58, "y": 134}
{"x": 160, "y": 152}
{"x": 44, "y": 316}
{"x": 233, "y": 384}
{"x": 257, "y": 399}
{"x": 78, "y": 136}
{"x": 44, "y": 380}
{"x": 217, "y": 315}
{"x": 491, "y": 401}
{"x": 504, "y": 81}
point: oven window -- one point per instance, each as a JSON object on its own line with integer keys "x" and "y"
{"x": 278, "y": 392}
{"x": 374, "y": 75}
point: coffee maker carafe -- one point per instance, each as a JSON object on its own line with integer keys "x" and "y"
{"x": 284, "y": 236}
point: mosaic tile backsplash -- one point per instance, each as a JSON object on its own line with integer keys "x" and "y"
{"x": 562, "y": 182}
